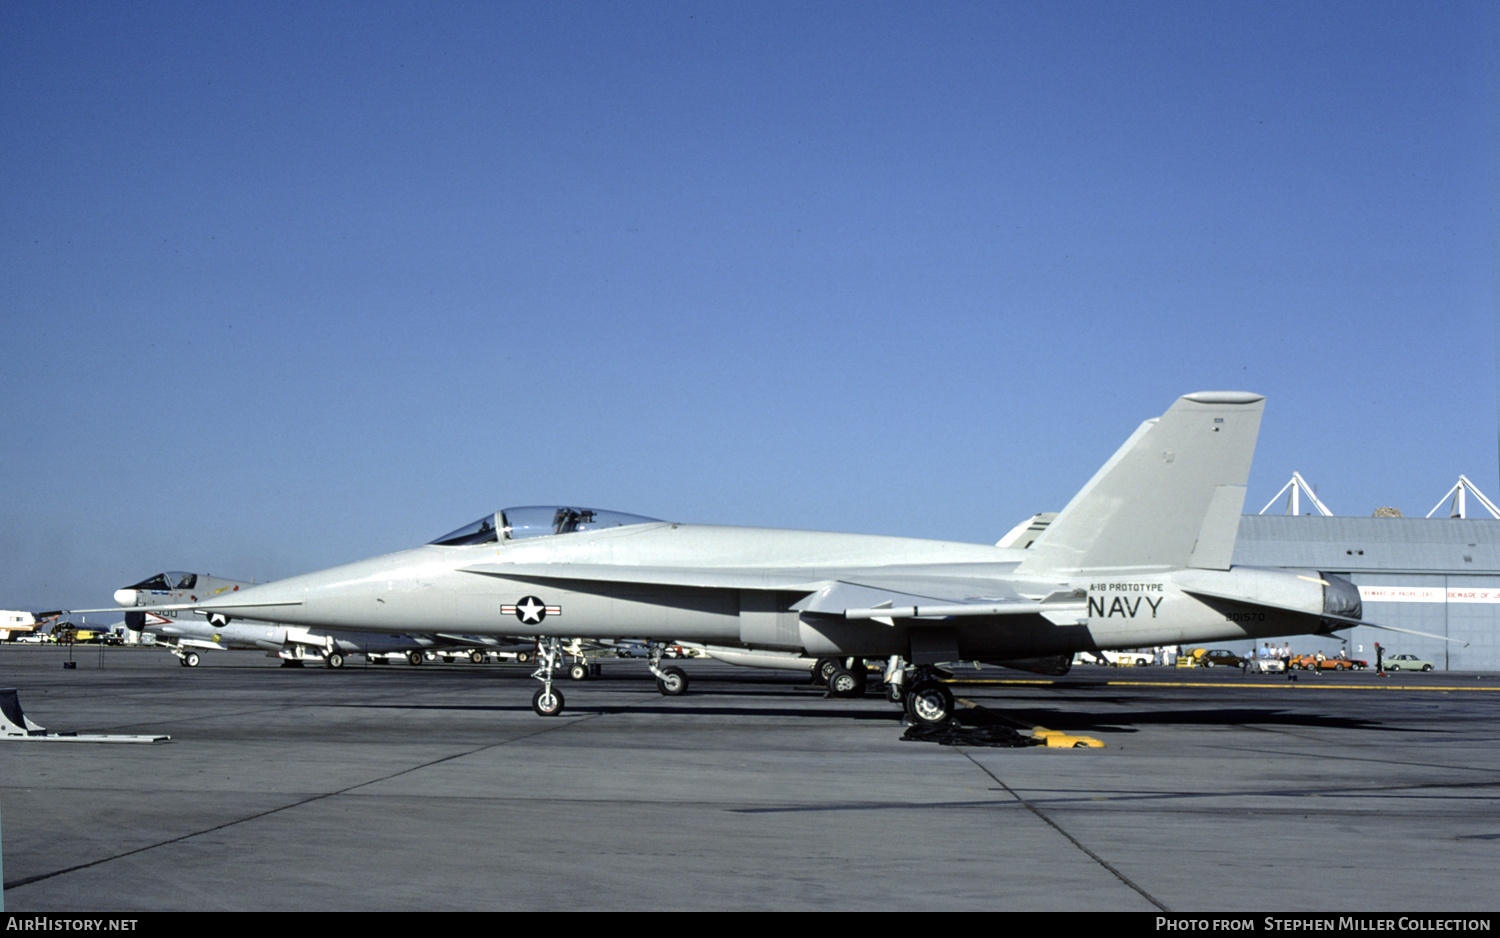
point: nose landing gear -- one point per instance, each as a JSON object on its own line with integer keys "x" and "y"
{"x": 547, "y": 702}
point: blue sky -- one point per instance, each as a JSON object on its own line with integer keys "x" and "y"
{"x": 287, "y": 285}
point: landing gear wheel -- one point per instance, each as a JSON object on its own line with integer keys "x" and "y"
{"x": 930, "y": 702}
{"x": 522, "y": 657}
{"x": 190, "y": 660}
{"x": 547, "y": 702}
{"x": 578, "y": 671}
{"x": 895, "y": 693}
{"x": 415, "y": 657}
{"x": 673, "y": 682}
{"x": 845, "y": 683}
{"x": 824, "y": 669}
{"x": 334, "y": 660}
{"x": 477, "y": 657}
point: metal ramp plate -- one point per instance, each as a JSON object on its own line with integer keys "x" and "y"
{"x": 16, "y": 725}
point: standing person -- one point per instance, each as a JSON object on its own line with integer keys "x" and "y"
{"x": 1379, "y": 659}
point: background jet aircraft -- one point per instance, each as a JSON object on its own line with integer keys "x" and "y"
{"x": 188, "y": 632}
{"x": 1139, "y": 557}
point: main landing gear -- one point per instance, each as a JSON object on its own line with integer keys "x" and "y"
{"x": 929, "y": 701}
{"x": 844, "y": 677}
{"x": 919, "y": 690}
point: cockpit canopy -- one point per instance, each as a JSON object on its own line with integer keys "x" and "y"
{"x": 514, "y": 524}
{"x": 173, "y": 580}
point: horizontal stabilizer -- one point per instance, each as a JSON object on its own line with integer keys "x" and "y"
{"x": 1392, "y": 628}
{"x": 1347, "y": 622}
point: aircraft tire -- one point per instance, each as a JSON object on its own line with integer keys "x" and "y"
{"x": 930, "y": 702}
{"x": 895, "y": 693}
{"x": 190, "y": 660}
{"x": 578, "y": 671}
{"x": 547, "y": 703}
{"x": 477, "y": 657}
{"x": 415, "y": 657}
{"x": 334, "y": 661}
{"x": 674, "y": 684}
{"x": 824, "y": 669}
{"x": 844, "y": 683}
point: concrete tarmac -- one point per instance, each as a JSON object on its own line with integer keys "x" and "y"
{"x": 436, "y": 788}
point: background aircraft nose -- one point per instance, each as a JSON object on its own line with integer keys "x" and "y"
{"x": 125, "y": 597}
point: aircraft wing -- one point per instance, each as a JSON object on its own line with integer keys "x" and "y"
{"x": 853, "y": 595}
{"x": 749, "y": 578}
{"x": 886, "y": 598}
{"x": 209, "y": 605}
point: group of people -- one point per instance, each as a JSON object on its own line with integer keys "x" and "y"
{"x": 1269, "y": 652}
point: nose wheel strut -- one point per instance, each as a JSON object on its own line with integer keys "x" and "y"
{"x": 548, "y": 701}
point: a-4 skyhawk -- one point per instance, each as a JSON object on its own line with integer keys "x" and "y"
{"x": 1139, "y": 557}
{"x": 152, "y": 610}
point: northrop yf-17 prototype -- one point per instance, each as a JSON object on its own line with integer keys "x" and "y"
{"x": 1139, "y": 557}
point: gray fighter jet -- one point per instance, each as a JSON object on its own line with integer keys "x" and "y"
{"x": 186, "y": 632}
{"x": 1139, "y": 557}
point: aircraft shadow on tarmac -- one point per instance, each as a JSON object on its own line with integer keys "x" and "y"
{"x": 1130, "y": 721}
{"x": 678, "y": 707}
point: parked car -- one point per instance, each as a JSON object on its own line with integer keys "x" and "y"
{"x": 1406, "y": 663}
{"x": 1311, "y": 663}
{"x": 1115, "y": 659}
{"x": 1221, "y": 658}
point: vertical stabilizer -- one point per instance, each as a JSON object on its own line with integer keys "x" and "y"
{"x": 1170, "y": 497}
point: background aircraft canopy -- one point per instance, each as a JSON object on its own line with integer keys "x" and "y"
{"x": 513, "y": 524}
{"x": 172, "y": 580}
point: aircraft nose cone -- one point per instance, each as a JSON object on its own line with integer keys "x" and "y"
{"x": 125, "y": 597}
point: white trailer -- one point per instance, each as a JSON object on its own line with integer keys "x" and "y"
{"x": 15, "y": 623}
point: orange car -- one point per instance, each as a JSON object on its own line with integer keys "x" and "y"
{"x": 1311, "y": 663}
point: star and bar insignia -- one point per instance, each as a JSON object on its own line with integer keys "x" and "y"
{"x": 531, "y": 610}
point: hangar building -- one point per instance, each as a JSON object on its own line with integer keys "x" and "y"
{"x": 1438, "y": 575}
